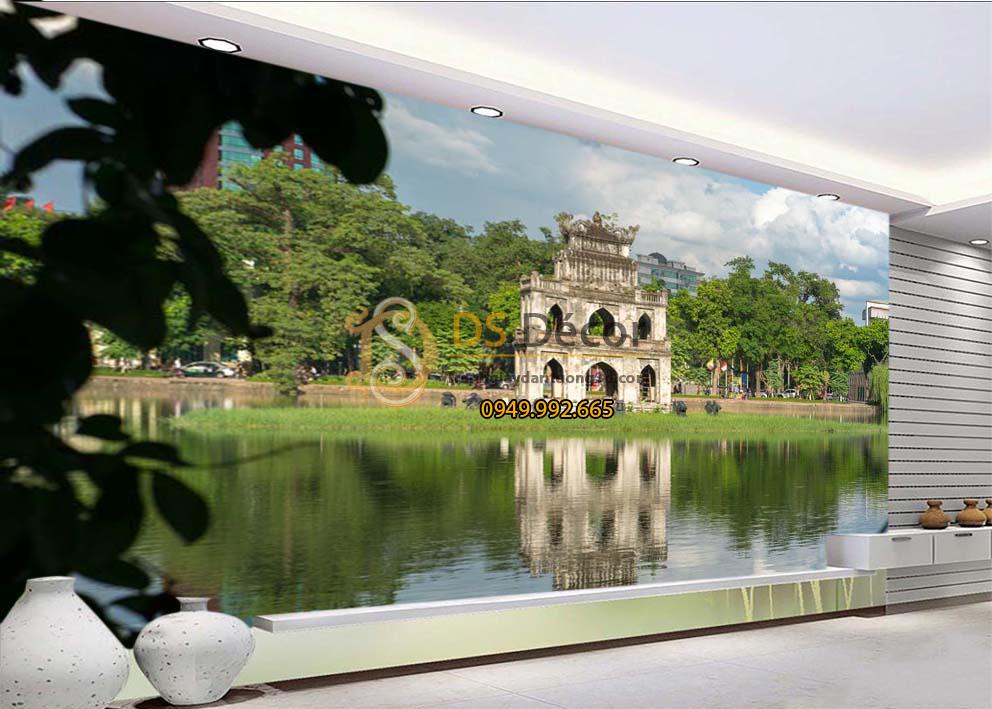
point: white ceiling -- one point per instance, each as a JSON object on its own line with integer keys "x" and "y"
{"x": 887, "y": 104}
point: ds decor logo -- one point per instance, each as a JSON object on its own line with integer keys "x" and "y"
{"x": 388, "y": 379}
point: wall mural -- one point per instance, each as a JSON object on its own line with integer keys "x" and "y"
{"x": 738, "y": 330}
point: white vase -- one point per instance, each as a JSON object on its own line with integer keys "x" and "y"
{"x": 55, "y": 651}
{"x": 193, "y": 656}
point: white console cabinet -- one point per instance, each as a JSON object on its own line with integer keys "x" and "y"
{"x": 909, "y": 547}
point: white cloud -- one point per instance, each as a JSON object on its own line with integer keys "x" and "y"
{"x": 857, "y": 289}
{"x": 460, "y": 149}
{"x": 705, "y": 219}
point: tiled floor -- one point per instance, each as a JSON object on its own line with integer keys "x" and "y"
{"x": 923, "y": 659}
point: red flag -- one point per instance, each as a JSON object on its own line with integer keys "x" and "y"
{"x": 49, "y": 207}
{"x": 29, "y": 204}
{"x": 9, "y": 203}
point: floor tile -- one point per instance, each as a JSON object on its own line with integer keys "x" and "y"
{"x": 902, "y": 661}
{"x": 507, "y": 700}
{"x": 711, "y": 683}
{"x": 578, "y": 667}
{"x": 411, "y": 691}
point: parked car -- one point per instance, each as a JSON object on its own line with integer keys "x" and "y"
{"x": 790, "y": 393}
{"x": 207, "y": 369}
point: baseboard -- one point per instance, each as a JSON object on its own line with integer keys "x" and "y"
{"x": 453, "y": 664}
{"x": 932, "y": 603}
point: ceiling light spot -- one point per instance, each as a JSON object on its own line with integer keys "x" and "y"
{"x": 829, "y": 196}
{"x": 487, "y": 111}
{"x": 219, "y": 45}
{"x": 689, "y": 162}
{"x": 979, "y": 242}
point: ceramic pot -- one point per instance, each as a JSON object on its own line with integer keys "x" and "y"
{"x": 934, "y": 518}
{"x": 988, "y": 511}
{"x": 192, "y": 657}
{"x": 971, "y": 516}
{"x": 55, "y": 652}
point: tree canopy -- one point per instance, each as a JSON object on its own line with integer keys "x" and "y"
{"x": 782, "y": 326}
{"x": 128, "y": 267}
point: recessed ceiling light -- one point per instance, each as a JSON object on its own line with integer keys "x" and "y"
{"x": 979, "y": 242}
{"x": 487, "y": 111}
{"x": 829, "y": 196}
{"x": 690, "y": 162}
{"x": 219, "y": 45}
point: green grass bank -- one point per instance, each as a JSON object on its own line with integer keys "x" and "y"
{"x": 308, "y": 421}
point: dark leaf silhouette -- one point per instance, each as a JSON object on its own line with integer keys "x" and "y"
{"x": 117, "y": 266}
{"x": 102, "y": 426}
{"x": 181, "y": 506}
{"x": 153, "y": 450}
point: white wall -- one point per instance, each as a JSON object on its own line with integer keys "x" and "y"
{"x": 940, "y": 420}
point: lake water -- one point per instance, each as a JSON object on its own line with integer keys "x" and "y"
{"x": 339, "y": 521}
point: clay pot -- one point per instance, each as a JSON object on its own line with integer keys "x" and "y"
{"x": 988, "y": 511}
{"x": 55, "y": 652}
{"x": 193, "y": 656}
{"x": 934, "y": 518}
{"x": 971, "y": 516}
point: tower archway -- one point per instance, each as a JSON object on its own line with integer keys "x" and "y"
{"x": 554, "y": 379}
{"x": 602, "y": 380}
{"x": 643, "y": 327}
{"x": 602, "y": 323}
{"x": 648, "y": 384}
{"x": 555, "y": 318}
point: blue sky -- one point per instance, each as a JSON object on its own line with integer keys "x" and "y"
{"x": 472, "y": 169}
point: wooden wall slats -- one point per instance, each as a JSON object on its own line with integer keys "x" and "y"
{"x": 945, "y": 333}
{"x": 941, "y": 480}
{"x": 945, "y": 406}
{"x": 938, "y": 429}
{"x": 938, "y": 280}
{"x": 960, "y": 259}
{"x": 939, "y": 393}
{"x": 909, "y": 415}
{"x": 950, "y": 492}
{"x": 947, "y": 304}
{"x": 922, "y": 290}
{"x": 952, "y": 503}
{"x": 942, "y": 381}
{"x": 902, "y": 440}
{"x": 938, "y": 316}
{"x": 933, "y": 354}
{"x": 940, "y": 397}
{"x": 965, "y": 276}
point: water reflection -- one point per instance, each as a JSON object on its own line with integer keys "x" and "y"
{"x": 591, "y": 512}
{"x": 342, "y": 521}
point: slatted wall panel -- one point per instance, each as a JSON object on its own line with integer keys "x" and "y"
{"x": 940, "y": 397}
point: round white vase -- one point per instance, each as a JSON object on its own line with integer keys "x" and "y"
{"x": 193, "y": 656}
{"x": 55, "y": 651}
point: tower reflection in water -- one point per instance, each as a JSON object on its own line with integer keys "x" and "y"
{"x": 592, "y": 512}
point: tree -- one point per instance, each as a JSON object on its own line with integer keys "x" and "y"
{"x": 308, "y": 251}
{"x": 21, "y": 229}
{"x": 839, "y": 383}
{"x": 775, "y": 376}
{"x": 462, "y": 355}
{"x": 874, "y": 342}
{"x": 878, "y": 388}
{"x": 845, "y": 351}
{"x": 117, "y": 267}
{"x": 810, "y": 380}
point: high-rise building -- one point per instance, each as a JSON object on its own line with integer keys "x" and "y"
{"x": 675, "y": 275}
{"x": 228, "y": 147}
{"x": 875, "y": 310}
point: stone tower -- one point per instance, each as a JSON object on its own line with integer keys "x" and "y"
{"x": 589, "y": 330}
